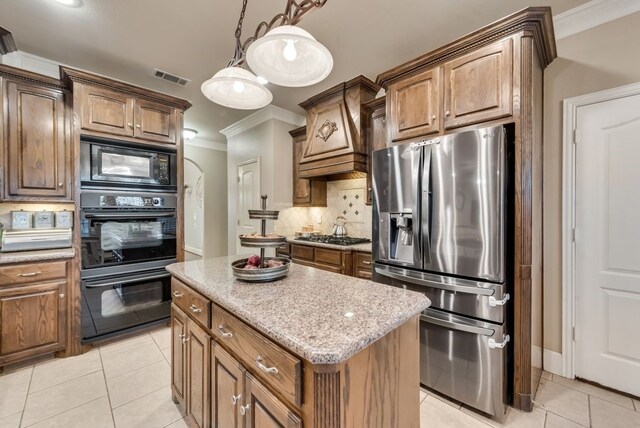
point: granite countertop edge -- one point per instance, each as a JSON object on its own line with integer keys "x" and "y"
{"x": 36, "y": 255}
{"x": 364, "y": 248}
{"x": 328, "y": 357}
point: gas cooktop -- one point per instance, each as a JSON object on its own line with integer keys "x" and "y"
{"x": 334, "y": 240}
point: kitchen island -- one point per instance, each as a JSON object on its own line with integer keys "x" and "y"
{"x": 317, "y": 349}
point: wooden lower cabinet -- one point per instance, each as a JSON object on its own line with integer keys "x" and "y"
{"x": 328, "y": 259}
{"x": 178, "y": 356}
{"x": 198, "y": 361}
{"x": 362, "y": 265}
{"x": 264, "y": 410}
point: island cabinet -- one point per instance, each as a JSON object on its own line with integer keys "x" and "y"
{"x": 228, "y": 373}
{"x": 33, "y": 310}
{"x": 36, "y": 137}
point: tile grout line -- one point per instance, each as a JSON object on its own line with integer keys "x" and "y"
{"x": 589, "y": 408}
{"x": 58, "y": 414}
{"x": 600, "y": 398}
{"x": 24, "y": 405}
{"x": 106, "y": 385}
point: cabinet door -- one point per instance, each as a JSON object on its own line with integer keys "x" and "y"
{"x": 306, "y": 193}
{"x": 478, "y": 86}
{"x": 376, "y": 139}
{"x": 198, "y": 363}
{"x": 414, "y": 106}
{"x": 106, "y": 111}
{"x": 263, "y": 410}
{"x": 37, "y": 164}
{"x": 178, "y": 355}
{"x": 32, "y": 319}
{"x": 227, "y": 389}
{"x": 155, "y": 122}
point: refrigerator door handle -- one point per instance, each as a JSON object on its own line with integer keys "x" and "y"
{"x": 461, "y": 327}
{"x": 425, "y": 203}
{"x": 415, "y": 208}
{"x": 433, "y": 284}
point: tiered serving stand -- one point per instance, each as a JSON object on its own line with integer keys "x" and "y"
{"x": 263, "y": 273}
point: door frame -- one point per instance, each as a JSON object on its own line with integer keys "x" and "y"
{"x": 240, "y": 164}
{"x": 569, "y": 140}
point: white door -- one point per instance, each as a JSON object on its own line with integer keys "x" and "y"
{"x": 193, "y": 207}
{"x": 248, "y": 199}
{"x": 608, "y": 244}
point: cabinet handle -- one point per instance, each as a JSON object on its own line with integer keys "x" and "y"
{"x": 177, "y": 294}
{"x": 223, "y": 332}
{"x": 25, "y": 275}
{"x": 138, "y": 126}
{"x": 184, "y": 338}
{"x": 235, "y": 399}
{"x": 130, "y": 125}
{"x": 244, "y": 409}
{"x": 195, "y": 309}
{"x": 447, "y": 113}
{"x": 365, "y": 262}
{"x": 433, "y": 117}
{"x": 61, "y": 295}
{"x": 270, "y": 370}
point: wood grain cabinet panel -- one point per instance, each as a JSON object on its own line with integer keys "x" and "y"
{"x": 191, "y": 302}
{"x": 479, "y": 85}
{"x": 306, "y": 192}
{"x": 105, "y": 110}
{"x": 32, "y": 319}
{"x": 198, "y": 365}
{"x": 264, "y": 410}
{"x": 30, "y": 272}
{"x": 178, "y": 356}
{"x": 362, "y": 265}
{"x": 414, "y": 106}
{"x": 36, "y": 143}
{"x": 227, "y": 389}
{"x": 375, "y": 137}
{"x": 155, "y": 122}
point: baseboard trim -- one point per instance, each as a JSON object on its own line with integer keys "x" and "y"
{"x": 552, "y": 362}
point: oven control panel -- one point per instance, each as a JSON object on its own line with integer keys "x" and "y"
{"x": 131, "y": 201}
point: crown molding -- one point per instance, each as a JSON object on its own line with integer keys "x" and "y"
{"x": 206, "y": 144}
{"x": 261, "y": 116}
{"x": 592, "y": 14}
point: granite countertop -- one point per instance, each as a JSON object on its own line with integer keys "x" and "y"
{"x": 323, "y": 317}
{"x": 36, "y": 256}
{"x": 366, "y": 247}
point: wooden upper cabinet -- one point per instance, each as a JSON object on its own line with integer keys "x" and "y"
{"x": 306, "y": 192}
{"x": 118, "y": 113}
{"x": 413, "y": 107}
{"x": 37, "y": 164}
{"x": 155, "y": 122}
{"x": 227, "y": 389}
{"x": 33, "y": 320}
{"x": 376, "y": 137}
{"x": 108, "y": 111}
{"x": 264, "y": 410}
{"x": 479, "y": 85}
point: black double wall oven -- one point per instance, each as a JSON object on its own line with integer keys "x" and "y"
{"x": 128, "y": 205}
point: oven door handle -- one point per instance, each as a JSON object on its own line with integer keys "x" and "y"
{"x": 126, "y": 281}
{"x": 457, "y": 326}
{"x": 433, "y": 284}
{"x": 128, "y": 216}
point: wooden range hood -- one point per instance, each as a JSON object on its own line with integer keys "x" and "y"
{"x": 334, "y": 147}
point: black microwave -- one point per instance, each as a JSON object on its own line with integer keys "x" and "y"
{"x": 116, "y": 164}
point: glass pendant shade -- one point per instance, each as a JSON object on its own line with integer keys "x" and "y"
{"x": 237, "y": 88}
{"x": 289, "y": 56}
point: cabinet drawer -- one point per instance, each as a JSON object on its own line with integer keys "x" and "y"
{"x": 32, "y": 272}
{"x": 192, "y": 303}
{"x": 362, "y": 260}
{"x": 273, "y": 364}
{"x": 302, "y": 252}
{"x": 329, "y": 257}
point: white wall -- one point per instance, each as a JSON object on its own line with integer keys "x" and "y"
{"x": 212, "y": 159}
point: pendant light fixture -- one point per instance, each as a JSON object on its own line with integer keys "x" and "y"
{"x": 283, "y": 54}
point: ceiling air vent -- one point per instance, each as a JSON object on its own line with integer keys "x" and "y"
{"x": 170, "y": 77}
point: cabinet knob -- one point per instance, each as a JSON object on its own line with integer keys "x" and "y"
{"x": 60, "y": 184}
{"x": 138, "y": 126}
{"x": 61, "y": 295}
{"x": 130, "y": 125}
{"x": 447, "y": 113}
{"x": 433, "y": 117}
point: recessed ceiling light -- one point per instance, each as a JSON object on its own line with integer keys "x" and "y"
{"x": 189, "y": 134}
{"x": 71, "y": 3}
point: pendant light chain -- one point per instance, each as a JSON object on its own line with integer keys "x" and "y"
{"x": 292, "y": 14}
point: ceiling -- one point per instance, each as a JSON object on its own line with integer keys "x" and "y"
{"x": 126, "y": 39}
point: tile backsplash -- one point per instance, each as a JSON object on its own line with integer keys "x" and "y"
{"x": 344, "y": 198}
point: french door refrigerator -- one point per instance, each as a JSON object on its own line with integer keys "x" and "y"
{"x": 439, "y": 227}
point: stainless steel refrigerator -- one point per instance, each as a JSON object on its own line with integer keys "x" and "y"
{"x": 440, "y": 220}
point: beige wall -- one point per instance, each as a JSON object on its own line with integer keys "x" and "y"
{"x": 601, "y": 58}
{"x": 214, "y": 166}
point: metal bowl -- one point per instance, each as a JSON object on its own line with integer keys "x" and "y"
{"x": 262, "y": 274}
{"x": 263, "y": 215}
{"x": 257, "y": 241}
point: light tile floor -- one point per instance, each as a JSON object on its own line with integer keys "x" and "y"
{"x": 126, "y": 384}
